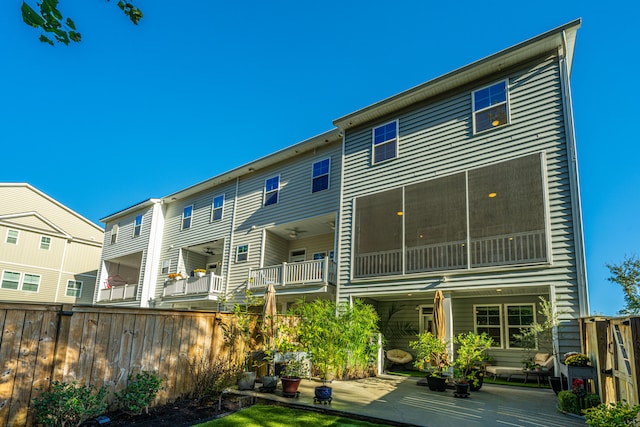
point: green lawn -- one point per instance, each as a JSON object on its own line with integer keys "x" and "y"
{"x": 277, "y": 416}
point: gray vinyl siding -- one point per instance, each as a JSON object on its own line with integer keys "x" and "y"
{"x": 295, "y": 202}
{"x": 437, "y": 139}
{"x": 202, "y": 230}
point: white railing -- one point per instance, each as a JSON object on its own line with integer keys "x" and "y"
{"x": 208, "y": 284}
{"x": 296, "y": 273}
{"x": 516, "y": 248}
{"x": 118, "y": 293}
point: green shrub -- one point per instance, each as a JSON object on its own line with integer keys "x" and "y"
{"x": 64, "y": 404}
{"x": 619, "y": 414}
{"x": 569, "y": 402}
{"x": 140, "y": 392}
{"x": 577, "y": 359}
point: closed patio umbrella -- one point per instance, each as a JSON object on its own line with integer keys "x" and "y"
{"x": 438, "y": 315}
{"x": 269, "y": 315}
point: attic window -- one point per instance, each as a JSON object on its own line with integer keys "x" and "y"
{"x": 490, "y": 107}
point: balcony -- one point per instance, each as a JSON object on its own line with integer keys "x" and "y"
{"x": 511, "y": 249}
{"x": 118, "y": 293}
{"x": 208, "y": 286}
{"x": 321, "y": 271}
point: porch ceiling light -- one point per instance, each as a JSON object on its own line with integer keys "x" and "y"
{"x": 492, "y": 195}
{"x": 399, "y": 213}
{"x": 495, "y": 123}
{"x": 499, "y": 290}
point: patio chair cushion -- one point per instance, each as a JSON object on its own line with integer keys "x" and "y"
{"x": 507, "y": 371}
{"x": 399, "y": 356}
{"x": 544, "y": 359}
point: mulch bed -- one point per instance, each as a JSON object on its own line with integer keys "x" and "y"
{"x": 181, "y": 413}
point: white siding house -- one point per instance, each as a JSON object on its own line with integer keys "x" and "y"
{"x": 466, "y": 184}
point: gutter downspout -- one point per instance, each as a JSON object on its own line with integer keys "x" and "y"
{"x": 578, "y": 232}
{"x": 233, "y": 232}
{"x": 338, "y": 235}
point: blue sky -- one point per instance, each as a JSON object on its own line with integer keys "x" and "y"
{"x": 138, "y": 112}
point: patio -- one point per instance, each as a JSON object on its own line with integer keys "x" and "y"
{"x": 401, "y": 401}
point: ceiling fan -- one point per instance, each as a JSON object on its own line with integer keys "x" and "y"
{"x": 295, "y": 232}
{"x": 209, "y": 251}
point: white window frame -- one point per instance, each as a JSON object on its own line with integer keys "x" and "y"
{"x": 244, "y": 254}
{"x": 475, "y": 112}
{"x": 24, "y": 276}
{"x": 500, "y": 327}
{"x": 2, "y": 279}
{"x": 114, "y": 233}
{"x": 269, "y": 192}
{"x": 314, "y": 177}
{"x": 507, "y": 325}
{"x": 422, "y": 316}
{"x": 9, "y": 236}
{"x": 298, "y": 255}
{"x": 190, "y": 217}
{"x": 166, "y": 266}
{"x": 79, "y": 289}
{"x": 137, "y": 228}
{"x": 46, "y": 246}
{"x": 395, "y": 141}
{"x": 218, "y": 209}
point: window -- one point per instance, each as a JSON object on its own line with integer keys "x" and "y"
{"x": 10, "y": 280}
{"x": 490, "y": 107}
{"x": 216, "y": 209}
{"x": 186, "y": 217}
{"x": 320, "y": 175}
{"x": 298, "y": 255}
{"x": 137, "y": 226}
{"x": 271, "y": 188}
{"x": 242, "y": 253}
{"x": 487, "y": 319}
{"x": 166, "y": 264}
{"x": 506, "y": 321}
{"x": 114, "y": 233}
{"x": 385, "y": 142}
{"x": 518, "y": 317}
{"x": 319, "y": 255}
{"x": 45, "y": 242}
{"x": 31, "y": 282}
{"x": 74, "y": 288}
{"x": 12, "y": 237}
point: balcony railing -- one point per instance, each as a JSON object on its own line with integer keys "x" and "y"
{"x": 209, "y": 284}
{"x": 118, "y": 293}
{"x": 296, "y": 273}
{"x": 516, "y": 248}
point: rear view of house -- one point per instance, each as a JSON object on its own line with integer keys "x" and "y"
{"x": 48, "y": 253}
{"x": 466, "y": 184}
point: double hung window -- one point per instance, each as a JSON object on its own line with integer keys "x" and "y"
{"x": 12, "y": 237}
{"x": 505, "y": 323}
{"x": 385, "y": 142}
{"x": 271, "y": 189}
{"x": 45, "y": 242}
{"x": 242, "y": 253}
{"x": 137, "y": 226}
{"x": 490, "y": 107}
{"x": 187, "y": 213}
{"x": 74, "y": 288}
{"x": 320, "y": 175}
{"x": 216, "y": 208}
{"x": 114, "y": 233}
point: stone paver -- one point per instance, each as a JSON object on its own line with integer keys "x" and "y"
{"x": 399, "y": 399}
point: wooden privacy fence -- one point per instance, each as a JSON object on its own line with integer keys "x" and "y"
{"x": 613, "y": 344}
{"x": 101, "y": 346}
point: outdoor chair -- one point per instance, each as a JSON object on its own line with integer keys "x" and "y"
{"x": 399, "y": 357}
{"x": 545, "y": 360}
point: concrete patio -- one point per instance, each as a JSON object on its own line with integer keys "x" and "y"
{"x": 400, "y": 401}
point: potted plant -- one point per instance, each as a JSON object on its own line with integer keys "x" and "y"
{"x": 431, "y": 353}
{"x": 469, "y": 356}
{"x": 295, "y": 369}
{"x": 199, "y": 272}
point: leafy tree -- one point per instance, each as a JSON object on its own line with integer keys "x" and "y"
{"x": 627, "y": 275}
{"x": 49, "y": 19}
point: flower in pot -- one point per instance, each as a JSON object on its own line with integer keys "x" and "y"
{"x": 431, "y": 353}
{"x": 577, "y": 359}
{"x": 175, "y": 276}
{"x": 199, "y": 272}
{"x": 469, "y": 356}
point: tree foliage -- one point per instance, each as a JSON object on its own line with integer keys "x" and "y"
{"x": 49, "y": 19}
{"x": 627, "y": 275}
